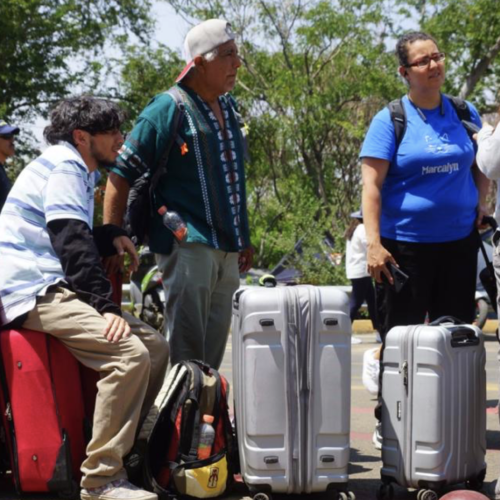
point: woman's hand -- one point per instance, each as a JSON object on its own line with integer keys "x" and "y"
{"x": 374, "y": 171}
{"x": 377, "y": 257}
{"x": 482, "y": 211}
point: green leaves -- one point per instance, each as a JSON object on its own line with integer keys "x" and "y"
{"x": 47, "y": 46}
{"x": 468, "y": 31}
{"x": 314, "y": 74}
{"x": 307, "y": 88}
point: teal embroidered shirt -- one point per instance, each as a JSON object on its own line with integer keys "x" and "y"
{"x": 206, "y": 184}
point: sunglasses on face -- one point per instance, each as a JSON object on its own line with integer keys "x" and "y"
{"x": 425, "y": 61}
{"x": 7, "y": 137}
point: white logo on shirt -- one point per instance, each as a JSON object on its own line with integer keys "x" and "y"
{"x": 449, "y": 168}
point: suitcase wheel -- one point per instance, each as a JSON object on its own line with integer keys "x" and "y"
{"x": 476, "y": 484}
{"x": 386, "y": 492}
{"x": 262, "y": 496}
{"x": 346, "y": 495}
{"x": 72, "y": 493}
{"x": 427, "y": 495}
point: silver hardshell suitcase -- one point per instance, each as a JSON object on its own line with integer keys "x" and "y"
{"x": 292, "y": 383}
{"x": 433, "y": 408}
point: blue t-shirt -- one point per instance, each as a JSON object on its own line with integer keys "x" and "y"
{"x": 429, "y": 194}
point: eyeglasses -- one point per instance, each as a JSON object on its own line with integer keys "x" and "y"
{"x": 7, "y": 137}
{"x": 229, "y": 53}
{"x": 425, "y": 61}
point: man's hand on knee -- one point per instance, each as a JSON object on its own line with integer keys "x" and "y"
{"x": 117, "y": 327}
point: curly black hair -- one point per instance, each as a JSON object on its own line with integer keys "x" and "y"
{"x": 408, "y": 39}
{"x": 87, "y": 113}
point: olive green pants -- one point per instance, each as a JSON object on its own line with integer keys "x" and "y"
{"x": 199, "y": 283}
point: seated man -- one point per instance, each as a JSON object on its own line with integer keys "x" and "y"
{"x": 52, "y": 281}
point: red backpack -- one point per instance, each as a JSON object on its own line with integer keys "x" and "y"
{"x": 171, "y": 464}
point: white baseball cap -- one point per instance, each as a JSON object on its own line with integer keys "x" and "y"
{"x": 203, "y": 38}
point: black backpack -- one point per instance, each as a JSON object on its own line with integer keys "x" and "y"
{"x": 141, "y": 199}
{"x": 398, "y": 115}
{"x": 171, "y": 467}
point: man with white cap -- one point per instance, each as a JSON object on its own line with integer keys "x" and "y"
{"x": 204, "y": 182}
{"x": 7, "y": 149}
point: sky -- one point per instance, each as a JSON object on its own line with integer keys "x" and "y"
{"x": 170, "y": 30}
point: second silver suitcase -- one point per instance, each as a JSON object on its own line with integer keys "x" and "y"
{"x": 292, "y": 378}
{"x": 433, "y": 408}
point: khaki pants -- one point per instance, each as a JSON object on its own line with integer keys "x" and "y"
{"x": 132, "y": 372}
{"x": 199, "y": 283}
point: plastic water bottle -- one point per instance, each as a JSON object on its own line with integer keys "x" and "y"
{"x": 207, "y": 436}
{"x": 174, "y": 222}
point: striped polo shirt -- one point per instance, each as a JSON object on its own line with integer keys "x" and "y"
{"x": 57, "y": 185}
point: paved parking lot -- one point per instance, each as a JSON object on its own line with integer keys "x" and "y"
{"x": 365, "y": 460}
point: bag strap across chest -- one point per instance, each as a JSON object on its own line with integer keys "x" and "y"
{"x": 399, "y": 119}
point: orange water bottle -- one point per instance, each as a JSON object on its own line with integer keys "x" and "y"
{"x": 174, "y": 222}
{"x": 207, "y": 437}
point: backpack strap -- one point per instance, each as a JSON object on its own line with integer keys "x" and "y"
{"x": 462, "y": 110}
{"x": 398, "y": 115}
{"x": 398, "y": 118}
{"x": 461, "y": 107}
{"x": 161, "y": 168}
{"x": 190, "y": 430}
{"x": 218, "y": 396}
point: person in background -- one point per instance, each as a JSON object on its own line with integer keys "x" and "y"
{"x": 7, "y": 149}
{"x": 204, "y": 183}
{"x": 356, "y": 270}
{"x": 423, "y": 198}
{"x": 362, "y": 290}
{"x": 488, "y": 160}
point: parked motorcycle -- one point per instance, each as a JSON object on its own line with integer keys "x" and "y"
{"x": 147, "y": 295}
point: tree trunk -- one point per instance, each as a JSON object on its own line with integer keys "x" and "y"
{"x": 478, "y": 72}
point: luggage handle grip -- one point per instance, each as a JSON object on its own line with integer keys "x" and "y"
{"x": 266, "y": 322}
{"x": 236, "y": 299}
{"x": 489, "y": 220}
{"x": 331, "y": 321}
{"x": 447, "y": 319}
{"x": 464, "y": 337}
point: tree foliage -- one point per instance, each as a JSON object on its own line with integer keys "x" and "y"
{"x": 145, "y": 72}
{"x": 314, "y": 74}
{"x": 468, "y": 31}
{"x": 49, "y": 47}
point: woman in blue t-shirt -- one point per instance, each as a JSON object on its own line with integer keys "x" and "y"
{"x": 423, "y": 198}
